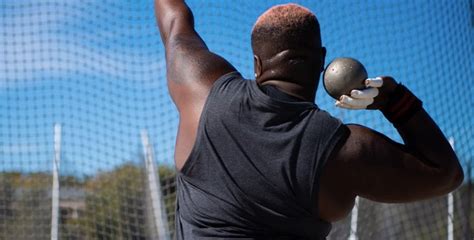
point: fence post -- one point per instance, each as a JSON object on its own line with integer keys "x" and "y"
{"x": 55, "y": 189}
{"x": 159, "y": 211}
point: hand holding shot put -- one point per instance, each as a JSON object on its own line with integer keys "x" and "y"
{"x": 345, "y": 79}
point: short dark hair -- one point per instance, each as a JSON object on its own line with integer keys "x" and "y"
{"x": 283, "y": 27}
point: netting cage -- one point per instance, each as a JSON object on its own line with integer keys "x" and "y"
{"x": 87, "y": 127}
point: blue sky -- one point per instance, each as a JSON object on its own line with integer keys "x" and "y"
{"x": 97, "y": 67}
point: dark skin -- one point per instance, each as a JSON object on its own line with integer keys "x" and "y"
{"x": 366, "y": 164}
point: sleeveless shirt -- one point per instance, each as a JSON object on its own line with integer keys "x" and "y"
{"x": 254, "y": 170}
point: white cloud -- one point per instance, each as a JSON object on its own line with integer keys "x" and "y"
{"x": 69, "y": 59}
{"x": 37, "y": 41}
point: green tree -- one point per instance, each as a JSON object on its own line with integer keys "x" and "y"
{"x": 115, "y": 205}
{"x": 8, "y": 184}
{"x": 26, "y": 206}
{"x": 168, "y": 187}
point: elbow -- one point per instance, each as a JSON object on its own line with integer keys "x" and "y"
{"x": 453, "y": 178}
{"x": 458, "y": 177}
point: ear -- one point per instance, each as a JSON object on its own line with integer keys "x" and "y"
{"x": 257, "y": 64}
{"x": 323, "y": 58}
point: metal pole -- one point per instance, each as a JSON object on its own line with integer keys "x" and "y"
{"x": 159, "y": 212}
{"x": 354, "y": 215}
{"x": 467, "y": 210}
{"x": 450, "y": 216}
{"x": 55, "y": 190}
{"x": 451, "y": 206}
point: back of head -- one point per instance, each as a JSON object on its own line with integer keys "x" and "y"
{"x": 288, "y": 26}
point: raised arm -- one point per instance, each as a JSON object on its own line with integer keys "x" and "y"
{"x": 373, "y": 166}
{"x": 191, "y": 67}
{"x": 191, "y": 70}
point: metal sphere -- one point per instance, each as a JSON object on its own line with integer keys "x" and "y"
{"x": 343, "y": 75}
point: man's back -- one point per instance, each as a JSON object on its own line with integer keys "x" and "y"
{"x": 255, "y": 168}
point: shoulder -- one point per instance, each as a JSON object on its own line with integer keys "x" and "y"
{"x": 229, "y": 80}
{"x": 329, "y": 126}
{"x": 226, "y": 86}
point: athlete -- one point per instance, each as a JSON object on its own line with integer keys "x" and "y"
{"x": 257, "y": 159}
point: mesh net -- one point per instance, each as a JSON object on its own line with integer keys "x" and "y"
{"x": 96, "y": 71}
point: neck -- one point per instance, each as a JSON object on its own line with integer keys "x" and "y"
{"x": 306, "y": 93}
{"x": 291, "y": 71}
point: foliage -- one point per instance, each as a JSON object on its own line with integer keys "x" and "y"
{"x": 25, "y": 206}
{"x": 115, "y": 204}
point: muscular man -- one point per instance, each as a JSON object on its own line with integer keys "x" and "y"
{"x": 257, "y": 159}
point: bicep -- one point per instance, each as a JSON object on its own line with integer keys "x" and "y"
{"x": 191, "y": 67}
{"x": 383, "y": 170}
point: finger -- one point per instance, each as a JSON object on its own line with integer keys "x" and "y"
{"x": 359, "y": 103}
{"x": 365, "y": 93}
{"x": 346, "y": 106}
{"x": 374, "y": 82}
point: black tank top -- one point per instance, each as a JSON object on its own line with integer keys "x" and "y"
{"x": 254, "y": 170}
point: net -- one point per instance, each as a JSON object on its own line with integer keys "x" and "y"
{"x": 87, "y": 128}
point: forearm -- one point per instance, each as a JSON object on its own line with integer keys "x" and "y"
{"x": 426, "y": 148}
{"x": 173, "y": 16}
{"x": 422, "y": 136}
